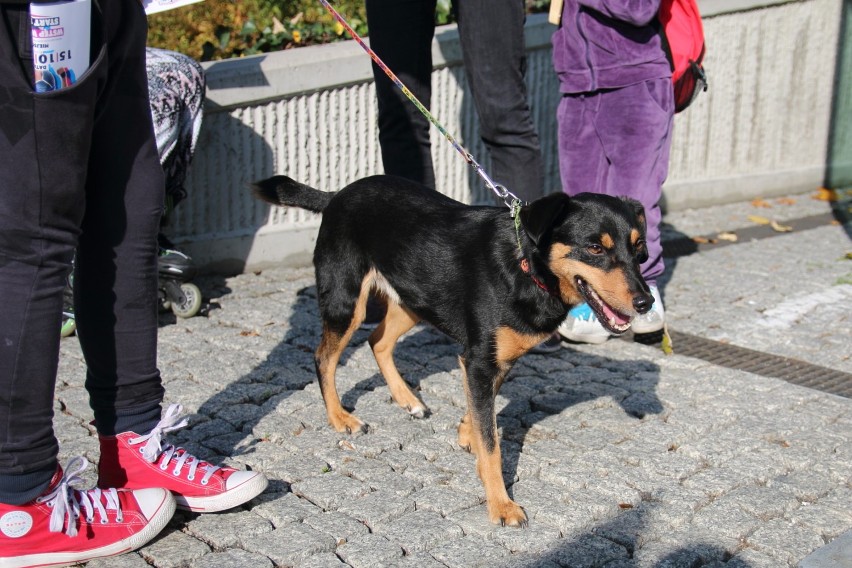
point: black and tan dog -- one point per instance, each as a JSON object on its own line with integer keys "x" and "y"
{"x": 496, "y": 287}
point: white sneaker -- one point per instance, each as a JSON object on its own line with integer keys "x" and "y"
{"x": 654, "y": 320}
{"x": 582, "y": 326}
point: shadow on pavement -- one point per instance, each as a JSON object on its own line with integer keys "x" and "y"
{"x": 246, "y": 413}
{"x": 622, "y": 542}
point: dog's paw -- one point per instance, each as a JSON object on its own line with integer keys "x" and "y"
{"x": 465, "y": 435}
{"x": 417, "y": 411}
{"x": 508, "y": 514}
{"x": 345, "y": 422}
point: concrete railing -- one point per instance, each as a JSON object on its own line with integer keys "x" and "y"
{"x": 761, "y": 130}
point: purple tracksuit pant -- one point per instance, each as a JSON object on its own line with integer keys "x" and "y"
{"x": 617, "y": 142}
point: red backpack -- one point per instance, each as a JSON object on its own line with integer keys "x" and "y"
{"x": 683, "y": 41}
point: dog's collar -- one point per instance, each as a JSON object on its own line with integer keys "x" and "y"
{"x": 525, "y": 267}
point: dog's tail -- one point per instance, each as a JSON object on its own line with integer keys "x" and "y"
{"x": 281, "y": 190}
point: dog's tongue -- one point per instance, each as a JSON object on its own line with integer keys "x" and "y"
{"x": 614, "y": 316}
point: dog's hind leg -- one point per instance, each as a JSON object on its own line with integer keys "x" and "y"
{"x": 397, "y": 322}
{"x": 335, "y": 337}
{"x": 481, "y": 377}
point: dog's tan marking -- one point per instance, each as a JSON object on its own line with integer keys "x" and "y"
{"x": 489, "y": 463}
{"x": 327, "y": 357}
{"x": 397, "y": 322}
{"x": 561, "y": 265}
{"x": 512, "y": 344}
{"x": 606, "y": 241}
{"x": 635, "y": 235}
{"x": 611, "y": 286}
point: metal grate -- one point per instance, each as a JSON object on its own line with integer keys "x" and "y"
{"x": 764, "y": 364}
{"x": 740, "y": 358}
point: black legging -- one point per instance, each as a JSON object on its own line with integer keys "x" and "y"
{"x": 492, "y": 38}
{"x": 78, "y": 169}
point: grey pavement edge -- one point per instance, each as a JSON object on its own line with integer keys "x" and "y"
{"x": 621, "y": 455}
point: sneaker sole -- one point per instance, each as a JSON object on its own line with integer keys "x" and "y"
{"x": 579, "y": 338}
{"x": 638, "y": 328}
{"x": 155, "y": 526}
{"x": 224, "y": 501}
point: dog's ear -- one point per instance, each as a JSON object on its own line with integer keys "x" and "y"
{"x": 538, "y": 217}
{"x": 638, "y": 209}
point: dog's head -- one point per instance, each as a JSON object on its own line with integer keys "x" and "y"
{"x": 593, "y": 245}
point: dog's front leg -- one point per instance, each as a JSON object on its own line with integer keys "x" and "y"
{"x": 479, "y": 427}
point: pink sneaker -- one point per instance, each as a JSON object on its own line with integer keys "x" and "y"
{"x": 131, "y": 461}
{"x": 95, "y": 523}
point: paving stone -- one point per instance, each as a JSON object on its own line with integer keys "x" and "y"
{"x": 291, "y": 544}
{"x": 805, "y": 485}
{"x": 443, "y": 500}
{"x": 322, "y": 560}
{"x": 761, "y": 501}
{"x": 378, "y": 508}
{"x": 342, "y": 528}
{"x": 418, "y": 560}
{"x": 420, "y": 531}
{"x": 228, "y": 529}
{"x": 785, "y": 540}
{"x": 174, "y": 549}
{"x": 283, "y": 509}
{"x": 536, "y": 537}
{"x": 586, "y": 551}
{"x": 234, "y": 558}
{"x": 468, "y": 552}
{"x": 369, "y": 550}
{"x": 330, "y": 491}
{"x": 722, "y": 518}
{"x": 130, "y": 560}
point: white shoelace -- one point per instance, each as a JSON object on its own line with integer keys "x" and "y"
{"x": 153, "y": 449}
{"x": 66, "y": 501}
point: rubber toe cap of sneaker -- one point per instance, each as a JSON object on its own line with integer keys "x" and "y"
{"x": 152, "y": 500}
{"x": 243, "y": 477}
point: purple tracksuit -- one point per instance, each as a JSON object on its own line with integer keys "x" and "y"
{"x": 615, "y": 117}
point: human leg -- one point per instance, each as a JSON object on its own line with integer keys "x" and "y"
{"x": 116, "y": 297}
{"x": 115, "y": 284}
{"x": 639, "y": 155}
{"x": 598, "y": 154}
{"x": 401, "y": 34}
{"x": 42, "y": 175}
{"x": 493, "y": 49}
{"x": 43, "y": 169}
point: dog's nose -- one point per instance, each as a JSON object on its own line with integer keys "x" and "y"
{"x": 643, "y": 303}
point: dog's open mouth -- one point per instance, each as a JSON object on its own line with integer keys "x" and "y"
{"x": 612, "y": 320}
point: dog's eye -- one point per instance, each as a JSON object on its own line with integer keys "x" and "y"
{"x": 640, "y": 246}
{"x": 595, "y": 249}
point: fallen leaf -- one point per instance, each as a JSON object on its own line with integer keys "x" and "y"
{"x": 758, "y": 220}
{"x": 825, "y": 194}
{"x": 625, "y": 506}
{"x": 785, "y": 201}
{"x": 778, "y": 227}
{"x": 760, "y": 202}
{"x": 726, "y": 236}
{"x": 703, "y": 240}
{"x": 345, "y": 445}
{"x": 666, "y": 344}
{"x": 849, "y": 256}
{"x": 252, "y": 333}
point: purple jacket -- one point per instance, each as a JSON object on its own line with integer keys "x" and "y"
{"x": 605, "y": 44}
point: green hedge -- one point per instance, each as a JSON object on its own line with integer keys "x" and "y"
{"x": 221, "y": 29}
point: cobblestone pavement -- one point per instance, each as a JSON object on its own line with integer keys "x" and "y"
{"x": 621, "y": 455}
